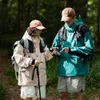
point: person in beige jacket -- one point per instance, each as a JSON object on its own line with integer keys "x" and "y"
{"x": 37, "y": 55}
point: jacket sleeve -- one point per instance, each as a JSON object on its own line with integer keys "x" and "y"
{"x": 20, "y": 58}
{"x": 47, "y": 53}
{"x": 87, "y": 49}
{"x": 56, "y": 41}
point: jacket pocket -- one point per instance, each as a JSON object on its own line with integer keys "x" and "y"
{"x": 75, "y": 59}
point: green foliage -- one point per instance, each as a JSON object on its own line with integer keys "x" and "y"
{"x": 2, "y": 91}
{"x": 94, "y": 73}
{"x": 7, "y": 40}
{"x": 92, "y": 16}
{"x": 52, "y": 71}
{"x": 48, "y": 11}
{"x": 6, "y": 44}
{"x": 10, "y": 73}
{"x": 15, "y": 19}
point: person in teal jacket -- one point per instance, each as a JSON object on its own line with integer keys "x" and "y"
{"x": 75, "y": 45}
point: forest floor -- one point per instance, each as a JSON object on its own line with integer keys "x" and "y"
{"x": 13, "y": 91}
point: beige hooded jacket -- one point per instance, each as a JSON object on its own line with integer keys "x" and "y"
{"x": 25, "y": 62}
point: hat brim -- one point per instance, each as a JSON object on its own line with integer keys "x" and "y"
{"x": 64, "y": 18}
{"x": 40, "y": 27}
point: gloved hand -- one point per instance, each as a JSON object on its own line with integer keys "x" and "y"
{"x": 37, "y": 63}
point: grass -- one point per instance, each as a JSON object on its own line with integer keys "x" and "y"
{"x": 52, "y": 71}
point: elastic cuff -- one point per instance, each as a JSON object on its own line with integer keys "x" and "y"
{"x": 69, "y": 50}
{"x": 33, "y": 61}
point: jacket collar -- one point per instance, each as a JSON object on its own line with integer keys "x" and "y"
{"x": 27, "y": 36}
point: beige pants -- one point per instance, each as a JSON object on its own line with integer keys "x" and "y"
{"x": 71, "y": 84}
{"x": 32, "y": 92}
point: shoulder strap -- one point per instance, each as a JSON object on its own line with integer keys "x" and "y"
{"x": 82, "y": 29}
{"x": 42, "y": 45}
{"x": 62, "y": 34}
{"x": 28, "y": 45}
{"x": 15, "y": 44}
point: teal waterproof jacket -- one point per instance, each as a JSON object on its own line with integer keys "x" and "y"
{"x": 70, "y": 64}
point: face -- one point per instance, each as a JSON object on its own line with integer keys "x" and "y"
{"x": 37, "y": 32}
{"x": 70, "y": 22}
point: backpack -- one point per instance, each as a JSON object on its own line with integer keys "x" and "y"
{"x": 28, "y": 48}
{"x": 24, "y": 43}
{"x": 79, "y": 31}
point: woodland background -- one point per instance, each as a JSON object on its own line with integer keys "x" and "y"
{"x": 15, "y": 16}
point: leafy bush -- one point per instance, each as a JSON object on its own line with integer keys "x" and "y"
{"x": 52, "y": 71}
{"x": 93, "y": 79}
{"x": 9, "y": 72}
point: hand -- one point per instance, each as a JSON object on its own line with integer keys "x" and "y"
{"x": 37, "y": 63}
{"x": 66, "y": 50}
{"x": 55, "y": 51}
{"x": 51, "y": 49}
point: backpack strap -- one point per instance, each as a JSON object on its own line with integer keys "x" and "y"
{"x": 15, "y": 44}
{"x": 42, "y": 45}
{"x": 28, "y": 45}
{"x": 80, "y": 31}
{"x": 62, "y": 34}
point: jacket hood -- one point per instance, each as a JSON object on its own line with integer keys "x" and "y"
{"x": 77, "y": 22}
{"x": 27, "y": 36}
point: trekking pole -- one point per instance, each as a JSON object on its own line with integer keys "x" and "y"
{"x": 38, "y": 82}
{"x": 36, "y": 68}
